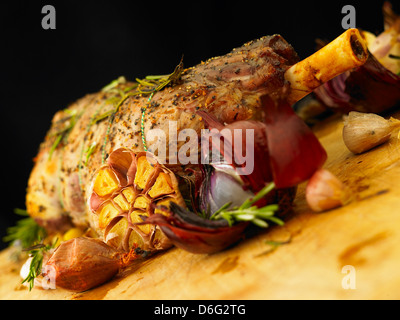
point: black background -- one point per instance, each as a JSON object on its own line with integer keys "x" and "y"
{"x": 42, "y": 71}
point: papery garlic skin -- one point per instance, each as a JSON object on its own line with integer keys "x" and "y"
{"x": 24, "y": 272}
{"x": 364, "y": 131}
{"x": 325, "y": 191}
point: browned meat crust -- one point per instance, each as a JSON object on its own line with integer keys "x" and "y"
{"x": 82, "y": 136}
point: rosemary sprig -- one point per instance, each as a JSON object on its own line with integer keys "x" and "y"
{"x": 89, "y": 151}
{"x": 30, "y": 237}
{"x": 111, "y": 117}
{"x": 273, "y": 245}
{"x": 248, "y": 212}
{"x": 27, "y": 231}
{"x": 55, "y": 144}
{"x": 36, "y": 252}
{"x": 153, "y": 83}
{"x": 114, "y": 84}
{"x": 62, "y": 135}
{"x": 147, "y": 86}
{"x": 102, "y": 116}
{"x": 393, "y": 56}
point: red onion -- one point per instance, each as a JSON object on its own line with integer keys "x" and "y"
{"x": 295, "y": 152}
{"x": 375, "y": 86}
{"x": 219, "y": 189}
{"x": 285, "y": 149}
{"x": 370, "y": 88}
{"x": 285, "y": 152}
{"x": 195, "y": 234}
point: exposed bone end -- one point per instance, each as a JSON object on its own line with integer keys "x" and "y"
{"x": 346, "y": 52}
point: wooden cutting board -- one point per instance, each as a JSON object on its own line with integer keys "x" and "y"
{"x": 351, "y": 252}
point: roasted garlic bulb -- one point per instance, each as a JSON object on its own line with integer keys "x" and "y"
{"x": 129, "y": 188}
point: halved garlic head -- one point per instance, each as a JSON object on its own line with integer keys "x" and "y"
{"x": 131, "y": 187}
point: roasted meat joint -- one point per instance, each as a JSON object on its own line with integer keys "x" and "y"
{"x": 191, "y": 159}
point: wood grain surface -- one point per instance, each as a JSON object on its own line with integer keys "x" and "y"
{"x": 314, "y": 257}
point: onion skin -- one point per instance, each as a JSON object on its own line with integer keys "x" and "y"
{"x": 373, "y": 87}
{"x": 219, "y": 189}
{"x": 204, "y": 242}
{"x": 192, "y": 233}
{"x": 286, "y": 151}
{"x": 261, "y": 173}
{"x": 370, "y": 88}
{"x": 294, "y": 151}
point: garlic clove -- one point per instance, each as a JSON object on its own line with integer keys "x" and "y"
{"x": 364, "y": 131}
{"x": 24, "y": 272}
{"x": 325, "y": 191}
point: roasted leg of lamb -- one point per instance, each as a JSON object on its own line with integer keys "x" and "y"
{"x": 76, "y": 158}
